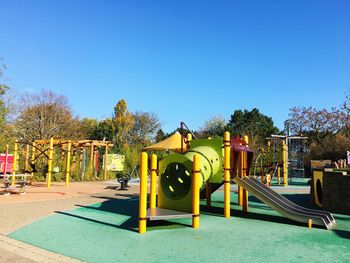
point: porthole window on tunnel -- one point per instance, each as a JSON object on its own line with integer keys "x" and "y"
{"x": 176, "y": 181}
{"x": 319, "y": 191}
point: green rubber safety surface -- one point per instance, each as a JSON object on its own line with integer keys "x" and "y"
{"x": 107, "y": 232}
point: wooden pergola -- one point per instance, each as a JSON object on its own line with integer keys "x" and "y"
{"x": 68, "y": 148}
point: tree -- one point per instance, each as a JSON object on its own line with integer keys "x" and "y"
{"x": 160, "y": 136}
{"x": 317, "y": 124}
{"x": 215, "y": 126}
{"x": 254, "y": 124}
{"x": 122, "y": 122}
{"x": 144, "y": 129}
{"x": 83, "y": 128}
{"x": 104, "y": 130}
{"x": 44, "y": 115}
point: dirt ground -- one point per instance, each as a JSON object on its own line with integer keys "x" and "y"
{"x": 18, "y": 210}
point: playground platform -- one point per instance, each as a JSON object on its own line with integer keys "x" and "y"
{"x": 102, "y": 227}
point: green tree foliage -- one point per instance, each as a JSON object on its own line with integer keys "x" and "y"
{"x": 254, "y": 124}
{"x": 6, "y": 129}
{"x": 144, "y": 129}
{"x": 214, "y": 127}
{"x": 83, "y": 128}
{"x": 123, "y": 123}
{"x": 104, "y": 130}
{"x": 160, "y": 136}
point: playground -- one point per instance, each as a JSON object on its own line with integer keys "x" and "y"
{"x": 101, "y": 225}
{"x": 199, "y": 198}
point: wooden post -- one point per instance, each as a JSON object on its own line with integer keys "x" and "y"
{"x": 279, "y": 175}
{"x": 96, "y": 162}
{"x": 195, "y": 191}
{"x": 49, "y": 164}
{"x": 15, "y": 153}
{"x": 74, "y": 159}
{"x": 68, "y": 163}
{"x": 143, "y": 193}
{"x": 105, "y": 164}
{"x": 227, "y": 166}
{"x": 26, "y": 158}
{"x": 91, "y": 166}
{"x": 208, "y": 194}
{"x": 33, "y": 159}
{"x": 154, "y": 171}
{"x": 80, "y": 158}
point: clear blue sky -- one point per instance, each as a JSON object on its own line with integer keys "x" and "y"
{"x": 185, "y": 60}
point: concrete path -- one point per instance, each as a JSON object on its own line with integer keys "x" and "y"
{"x": 14, "y": 251}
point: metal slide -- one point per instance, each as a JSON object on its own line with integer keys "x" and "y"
{"x": 283, "y": 205}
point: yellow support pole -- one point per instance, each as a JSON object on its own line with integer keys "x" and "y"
{"x": 279, "y": 175}
{"x": 153, "y": 194}
{"x": 188, "y": 140}
{"x": 309, "y": 223}
{"x": 143, "y": 193}
{"x": 240, "y": 174}
{"x": 284, "y": 163}
{"x": 33, "y": 158}
{"x": 195, "y": 191}
{"x": 269, "y": 155}
{"x": 15, "y": 153}
{"x": 68, "y": 162}
{"x": 245, "y": 169}
{"x": 49, "y": 164}
{"x": 227, "y": 167}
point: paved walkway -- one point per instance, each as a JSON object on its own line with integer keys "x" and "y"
{"x": 16, "y": 211}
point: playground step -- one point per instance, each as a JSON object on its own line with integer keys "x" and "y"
{"x": 164, "y": 214}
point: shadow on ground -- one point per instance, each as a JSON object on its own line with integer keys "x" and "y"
{"x": 127, "y": 205}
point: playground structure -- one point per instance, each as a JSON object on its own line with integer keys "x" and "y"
{"x": 283, "y": 155}
{"x": 28, "y": 156}
{"x": 203, "y": 168}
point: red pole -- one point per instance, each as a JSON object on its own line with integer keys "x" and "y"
{"x": 6, "y": 156}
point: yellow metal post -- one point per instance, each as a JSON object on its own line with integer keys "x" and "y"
{"x": 309, "y": 223}
{"x": 143, "y": 193}
{"x": 33, "y": 158}
{"x": 279, "y": 175}
{"x": 49, "y": 164}
{"x": 284, "y": 163}
{"x": 68, "y": 162}
{"x": 245, "y": 169}
{"x": 188, "y": 140}
{"x": 15, "y": 153}
{"x": 240, "y": 174}
{"x": 227, "y": 167}
{"x": 154, "y": 170}
{"x": 269, "y": 156}
{"x": 195, "y": 191}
